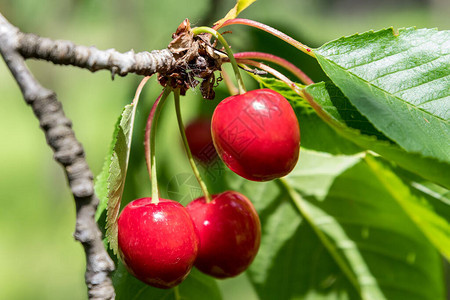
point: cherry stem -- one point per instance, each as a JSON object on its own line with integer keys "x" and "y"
{"x": 273, "y": 31}
{"x": 176, "y": 293}
{"x": 148, "y": 128}
{"x": 150, "y": 141}
{"x": 299, "y": 91}
{"x": 230, "y": 86}
{"x": 188, "y": 150}
{"x": 218, "y": 36}
{"x": 277, "y": 60}
{"x": 139, "y": 89}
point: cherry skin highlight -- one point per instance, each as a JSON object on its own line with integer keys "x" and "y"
{"x": 158, "y": 243}
{"x": 230, "y": 233}
{"x": 257, "y": 134}
{"x": 198, "y": 134}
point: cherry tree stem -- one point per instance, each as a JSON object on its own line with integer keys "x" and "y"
{"x": 176, "y": 291}
{"x": 188, "y": 150}
{"x": 273, "y": 31}
{"x": 148, "y": 129}
{"x": 199, "y": 30}
{"x": 230, "y": 86}
{"x": 277, "y": 60}
{"x": 150, "y": 141}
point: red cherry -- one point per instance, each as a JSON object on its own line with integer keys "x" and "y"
{"x": 256, "y": 134}
{"x": 157, "y": 242}
{"x": 229, "y": 232}
{"x": 198, "y": 134}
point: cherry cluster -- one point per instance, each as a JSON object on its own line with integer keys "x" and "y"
{"x": 256, "y": 134}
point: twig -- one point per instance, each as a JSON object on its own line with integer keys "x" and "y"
{"x": 67, "y": 53}
{"x": 68, "y": 152}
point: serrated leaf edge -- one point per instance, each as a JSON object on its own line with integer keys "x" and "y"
{"x": 396, "y": 34}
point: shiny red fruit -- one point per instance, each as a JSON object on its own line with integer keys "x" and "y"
{"x": 157, "y": 242}
{"x": 198, "y": 134}
{"x": 229, "y": 232}
{"x": 256, "y": 134}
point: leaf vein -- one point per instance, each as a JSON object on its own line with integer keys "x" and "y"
{"x": 407, "y": 69}
{"x": 422, "y": 83}
{"x": 433, "y": 99}
{"x": 382, "y": 57}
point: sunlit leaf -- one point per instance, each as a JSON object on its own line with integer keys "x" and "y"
{"x": 347, "y": 121}
{"x": 400, "y": 82}
{"x": 235, "y": 11}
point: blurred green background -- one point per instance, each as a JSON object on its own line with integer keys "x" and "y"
{"x": 39, "y": 258}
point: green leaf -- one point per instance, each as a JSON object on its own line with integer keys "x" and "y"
{"x": 265, "y": 193}
{"x": 400, "y": 82}
{"x": 318, "y": 172}
{"x": 349, "y": 123}
{"x": 436, "y": 227}
{"x": 349, "y": 239}
{"x": 197, "y": 286}
{"x": 242, "y": 4}
{"x": 235, "y": 11}
{"x": 331, "y": 99}
{"x": 111, "y": 181}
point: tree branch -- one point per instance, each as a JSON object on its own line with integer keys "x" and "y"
{"x": 70, "y": 154}
{"x": 67, "y": 53}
